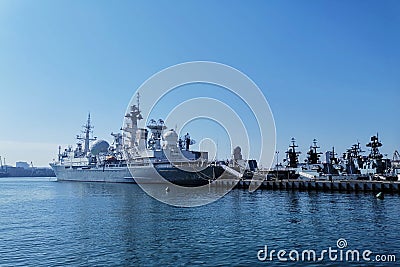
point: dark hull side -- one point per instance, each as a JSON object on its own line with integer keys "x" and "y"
{"x": 186, "y": 178}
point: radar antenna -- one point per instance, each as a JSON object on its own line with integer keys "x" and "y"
{"x": 87, "y": 130}
{"x": 138, "y": 100}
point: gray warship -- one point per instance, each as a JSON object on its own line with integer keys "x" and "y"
{"x": 146, "y": 155}
{"x": 352, "y": 165}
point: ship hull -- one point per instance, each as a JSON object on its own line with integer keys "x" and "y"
{"x": 164, "y": 173}
{"x": 139, "y": 174}
{"x": 111, "y": 175}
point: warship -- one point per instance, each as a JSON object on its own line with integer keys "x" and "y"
{"x": 156, "y": 154}
{"x": 137, "y": 155}
{"x": 352, "y": 165}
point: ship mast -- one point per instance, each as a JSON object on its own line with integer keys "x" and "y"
{"x": 293, "y": 155}
{"x": 87, "y": 130}
{"x": 313, "y": 154}
{"x": 133, "y": 116}
{"x": 333, "y": 159}
{"x": 375, "y": 144}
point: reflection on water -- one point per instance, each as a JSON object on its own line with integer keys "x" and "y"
{"x": 59, "y": 223}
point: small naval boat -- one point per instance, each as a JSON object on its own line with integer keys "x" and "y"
{"x": 137, "y": 155}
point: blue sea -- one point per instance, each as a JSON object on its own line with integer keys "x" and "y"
{"x": 49, "y": 223}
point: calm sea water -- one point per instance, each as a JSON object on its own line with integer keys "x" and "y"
{"x": 47, "y": 223}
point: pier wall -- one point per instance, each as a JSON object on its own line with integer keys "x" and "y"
{"x": 303, "y": 185}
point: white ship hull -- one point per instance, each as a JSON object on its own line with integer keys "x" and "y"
{"x": 142, "y": 174}
{"x": 100, "y": 162}
{"x": 112, "y": 175}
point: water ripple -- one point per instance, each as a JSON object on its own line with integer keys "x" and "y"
{"x": 45, "y": 223}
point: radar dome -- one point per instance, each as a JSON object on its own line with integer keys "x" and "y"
{"x": 171, "y": 136}
{"x": 170, "y": 139}
{"x": 99, "y": 146}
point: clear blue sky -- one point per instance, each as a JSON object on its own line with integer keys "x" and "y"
{"x": 329, "y": 69}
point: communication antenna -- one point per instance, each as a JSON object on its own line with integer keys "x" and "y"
{"x": 138, "y": 100}
{"x": 216, "y": 153}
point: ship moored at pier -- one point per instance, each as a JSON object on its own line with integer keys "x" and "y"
{"x": 135, "y": 156}
{"x": 156, "y": 154}
{"x": 352, "y": 165}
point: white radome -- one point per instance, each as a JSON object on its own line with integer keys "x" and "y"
{"x": 99, "y": 146}
{"x": 170, "y": 136}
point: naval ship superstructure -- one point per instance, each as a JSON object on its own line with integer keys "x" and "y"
{"x": 145, "y": 155}
{"x": 93, "y": 160}
{"x": 352, "y": 165}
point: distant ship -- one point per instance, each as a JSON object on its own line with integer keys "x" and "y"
{"x": 25, "y": 170}
{"x": 135, "y": 157}
{"x": 351, "y": 166}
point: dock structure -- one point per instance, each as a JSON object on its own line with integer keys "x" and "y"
{"x": 317, "y": 185}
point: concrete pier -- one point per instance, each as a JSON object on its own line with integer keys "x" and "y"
{"x": 318, "y": 185}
